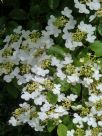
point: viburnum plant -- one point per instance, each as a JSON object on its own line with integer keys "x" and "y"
{"x": 60, "y": 72}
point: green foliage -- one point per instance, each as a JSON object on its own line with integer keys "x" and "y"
{"x": 35, "y": 9}
{"x": 53, "y": 4}
{"x": 62, "y": 130}
{"x": 32, "y": 14}
{"x": 76, "y": 89}
{"x": 52, "y": 98}
{"x": 51, "y": 125}
{"x": 18, "y": 14}
{"x": 67, "y": 121}
{"x": 97, "y": 48}
{"x": 80, "y": 53}
{"x": 57, "y": 51}
{"x": 64, "y": 85}
{"x": 99, "y": 28}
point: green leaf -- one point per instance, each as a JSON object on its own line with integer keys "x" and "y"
{"x": 85, "y": 94}
{"x": 67, "y": 121}
{"x": 97, "y": 48}
{"x": 51, "y": 125}
{"x": 35, "y": 9}
{"x": 57, "y": 51}
{"x": 18, "y": 14}
{"x": 52, "y": 98}
{"x": 1, "y": 42}
{"x": 11, "y": 3}
{"x": 64, "y": 84}
{"x": 80, "y": 54}
{"x": 10, "y": 26}
{"x": 53, "y": 4}
{"x": 12, "y": 90}
{"x": 100, "y": 28}
{"x": 2, "y": 20}
{"x": 33, "y": 25}
{"x": 100, "y": 64}
{"x": 62, "y": 130}
{"x": 76, "y": 89}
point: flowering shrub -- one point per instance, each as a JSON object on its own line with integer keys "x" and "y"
{"x": 60, "y": 72}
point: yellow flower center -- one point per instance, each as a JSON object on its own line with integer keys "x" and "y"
{"x": 60, "y": 22}
{"x": 99, "y": 13}
{"x": 78, "y": 36}
{"x": 49, "y": 84}
{"x": 66, "y": 104}
{"x": 35, "y": 36}
{"x": 7, "y": 52}
{"x": 46, "y": 63}
{"x": 25, "y": 68}
{"x": 32, "y": 86}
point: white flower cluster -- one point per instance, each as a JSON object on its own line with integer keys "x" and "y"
{"x": 55, "y": 83}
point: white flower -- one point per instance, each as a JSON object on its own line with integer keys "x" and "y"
{"x": 91, "y": 5}
{"x": 13, "y": 121}
{"x": 100, "y": 134}
{"x": 93, "y": 98}
{"x": 56, "y": 62}
{"x": 72, "y": 97}
{"x": 46, "y": 107}
{"x": 21, "y": 80}
{"x": 51, "y": 28}
{"x": 35, "y": 123}
{"x": 88, "y": 133}
{"x": 60, "y": 74}
{"x": 24, "y": 117}
{"x": 82, "y": 7}
{"x": 26, "y": 96}
{"x": 87, "y": 81}
{"x": 42, "y": 116}
{"x": 25, "y": 34}
{"x": 99, "y": 87}
{"x": 46, "y": 40}
{"x": 100, "y": 123}
{"x": 76, "y": 107}
{"x": 69, "y": 43}
{"x": 92, "y": 17}
{"x": 35, "y": 94}
{"x": 60, "y": 109}
{"x": 61, "y": 97}
{"x": 66, "y": 12}
{"x": 91, "y": 121}
{"x": 39, "y": 99}
{"x": 70, "y": 25}
{"x": 73, "y": 79}
{"x": 28, "y": 77}
{"x": 78, "y": 120}
{"x": 67, "y": 59}
{"x": 56, "y": 89}
{"x": 8, "y": 78}
{"x": 18, "y": 30}
{"x": 96, "y": 75}
{"x": 7, "y": 39}
{"x": 94, "y": 5}
{"x": 39, "y": 71}
{"x": 89, "y": 29}
{"x": 24, "y": 105}
{"x": 70, "y": 132}
{"x": 38, "y": 79}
